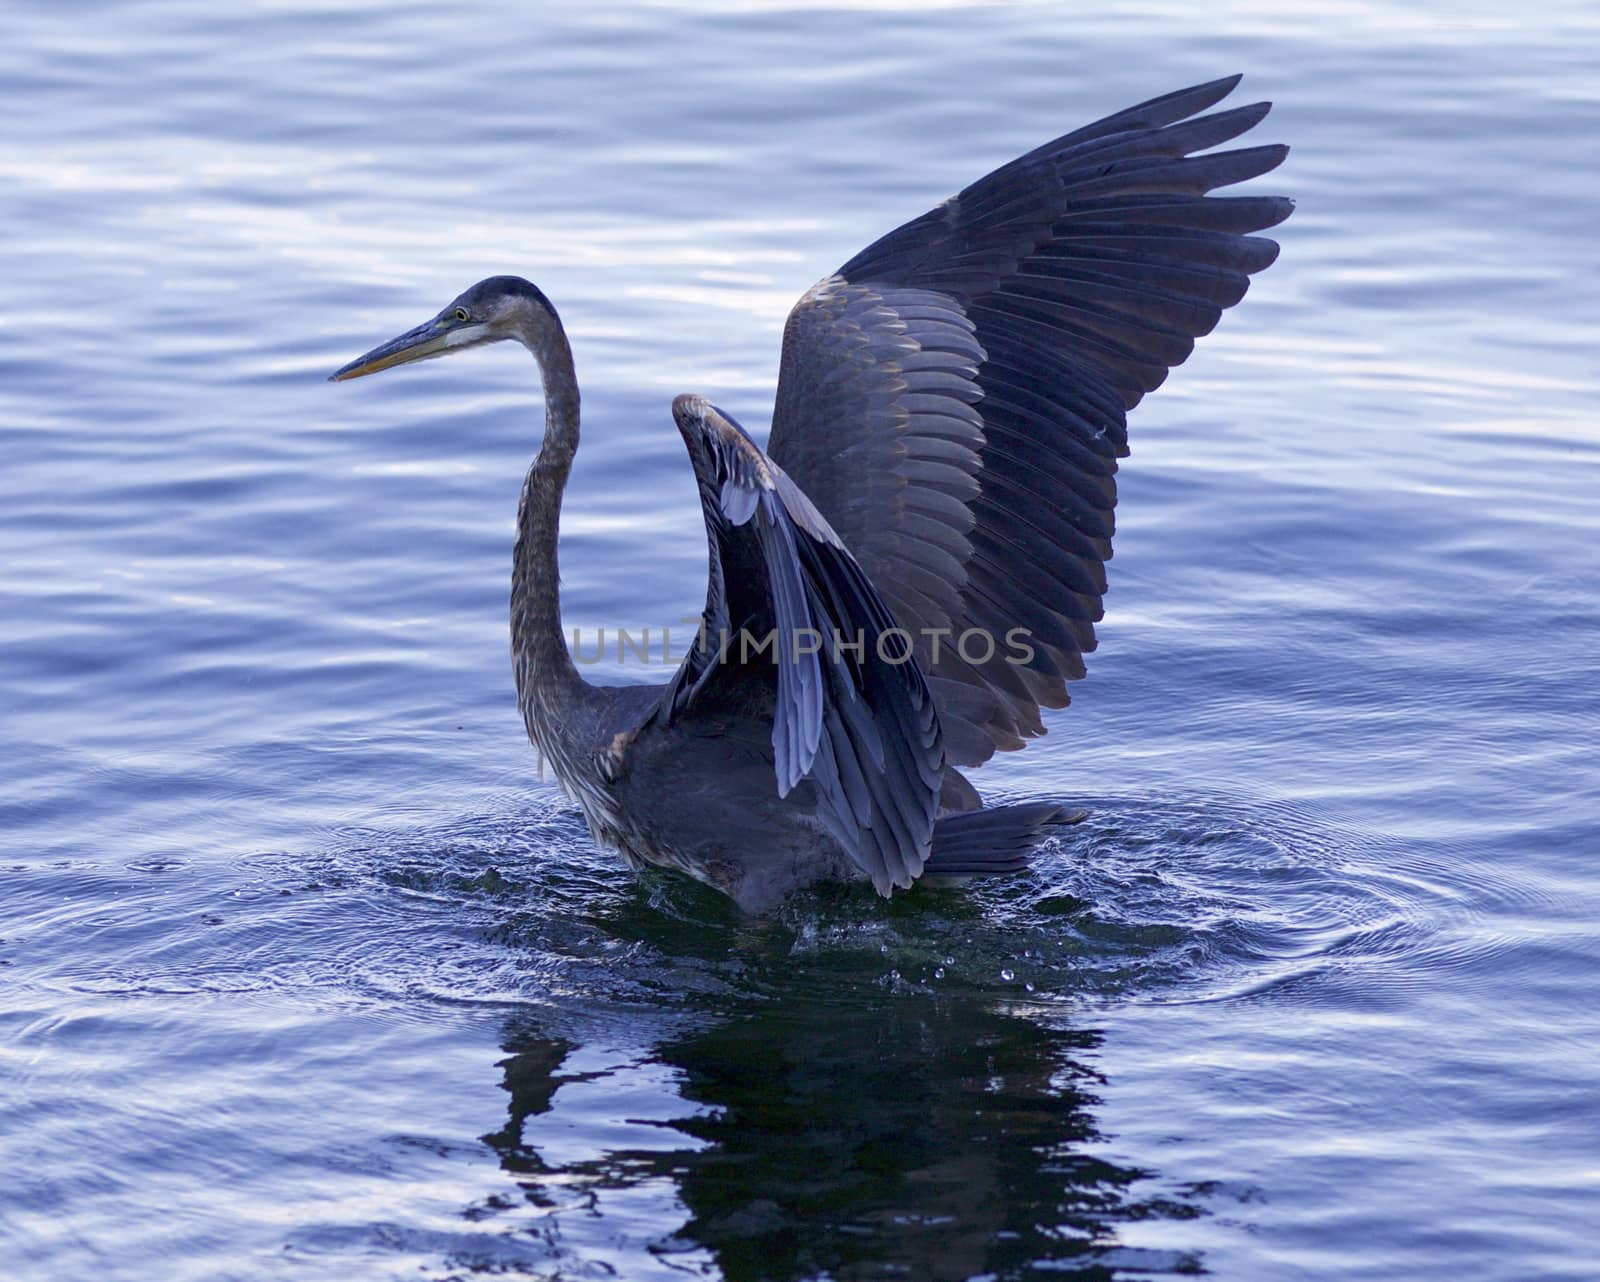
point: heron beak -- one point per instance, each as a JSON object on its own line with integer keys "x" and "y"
{"x": 431, "y": 338}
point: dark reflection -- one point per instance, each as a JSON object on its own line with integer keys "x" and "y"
{"x": 904, "y": 1135}
{"x": 532, "y": 1080}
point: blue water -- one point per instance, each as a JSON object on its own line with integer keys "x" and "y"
{"x": 306, "y": 974}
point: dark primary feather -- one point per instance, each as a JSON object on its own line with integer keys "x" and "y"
{"x": 954, "y": 400}
{"x": 863, "y": 729}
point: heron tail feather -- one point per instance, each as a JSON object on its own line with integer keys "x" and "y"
{"x": 985, "y": 843}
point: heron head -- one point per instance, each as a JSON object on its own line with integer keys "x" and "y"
{"x": 494, "y": 309}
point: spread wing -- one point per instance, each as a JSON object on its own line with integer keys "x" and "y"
{"x": 954, "y": 399}
{"x": 793, "y": 629}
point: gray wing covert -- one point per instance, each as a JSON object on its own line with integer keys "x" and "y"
{"x": 954, "y": 400}
{"x": 861, "y": 727}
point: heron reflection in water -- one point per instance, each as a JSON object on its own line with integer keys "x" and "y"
{"x": 962, "y": 1143}
{"x": 950, "y": 409}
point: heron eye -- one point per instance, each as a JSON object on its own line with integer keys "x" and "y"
{"x": 462, "y": 314}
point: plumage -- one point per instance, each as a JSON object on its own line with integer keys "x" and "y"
{"x": 913, "y": 569}
{"x": 1081, "y": 272}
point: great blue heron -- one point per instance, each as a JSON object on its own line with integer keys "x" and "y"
{"x": 915, "y": 564}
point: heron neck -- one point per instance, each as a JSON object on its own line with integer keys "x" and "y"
{"x": 547, "y": 682}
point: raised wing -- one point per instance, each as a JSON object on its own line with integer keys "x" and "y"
{"x": 792, "y": 626}
{"x": 954, "y": 399}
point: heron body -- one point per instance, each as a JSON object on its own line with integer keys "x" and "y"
{"x": 950, "y": 410}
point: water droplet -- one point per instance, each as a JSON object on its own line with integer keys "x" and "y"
{"x": 1029, "y": 987}
{"x": 949, "y": 961}
{"x": 938, "y": 972}
{"x": 1008, "y": 974}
